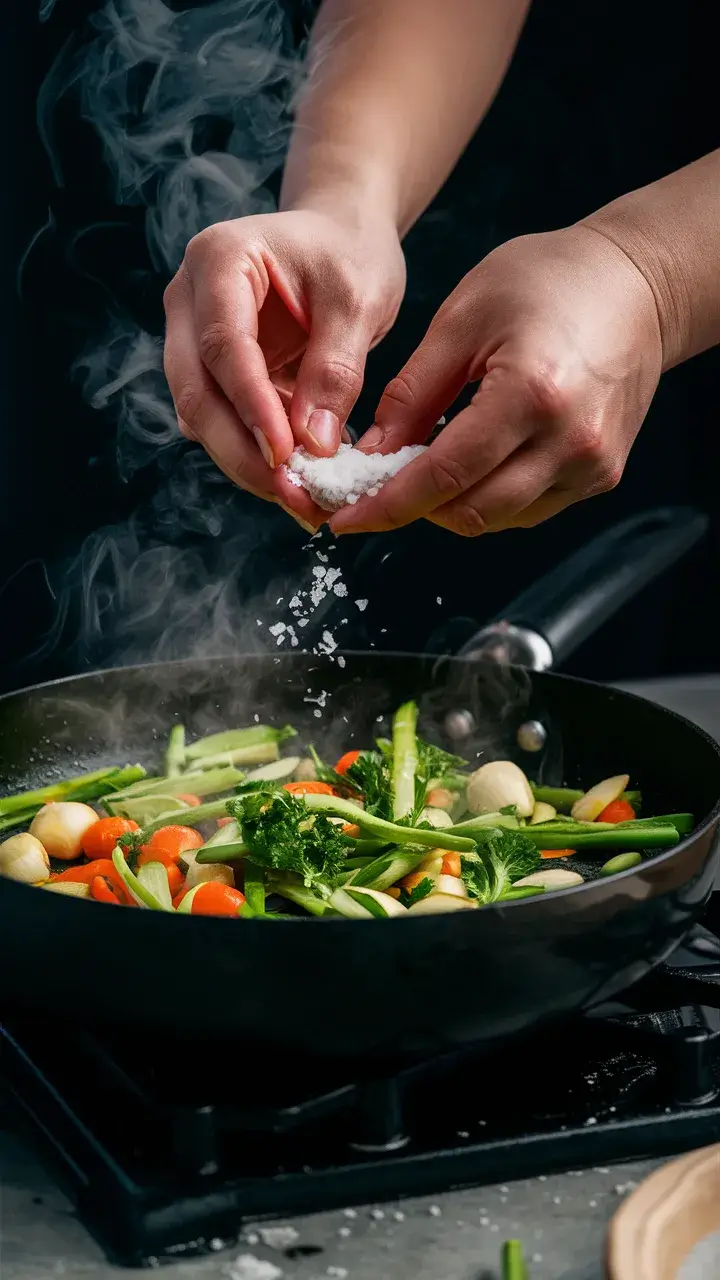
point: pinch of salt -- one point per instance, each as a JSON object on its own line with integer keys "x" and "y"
{"x": 340, "y": 481}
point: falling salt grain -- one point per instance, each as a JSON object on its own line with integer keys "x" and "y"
{"x": 361, "y": 605}
{"x": 399, "y": 1216}
{"x": 344, "y": 1232}
{"x": 377, "y": 1214}
{"x": 439, "y": 599}
{"x": 350, "y": 1213}
{"x": 341, "y": 660}
{"x": 435, "y": 1211}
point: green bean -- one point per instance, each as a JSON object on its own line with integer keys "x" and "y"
{"x": 623, "y": 862}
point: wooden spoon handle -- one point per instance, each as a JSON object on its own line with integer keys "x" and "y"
{"x": 662, "y": 1221}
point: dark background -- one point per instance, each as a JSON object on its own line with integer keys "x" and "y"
{"x": 601, "y": 97}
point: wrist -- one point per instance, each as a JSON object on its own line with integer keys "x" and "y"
{"x": 661, "y": 258}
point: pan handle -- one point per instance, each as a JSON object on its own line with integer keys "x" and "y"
{"x": 546, "y": 623}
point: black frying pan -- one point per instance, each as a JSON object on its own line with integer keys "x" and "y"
{"x": 377, "y": 989}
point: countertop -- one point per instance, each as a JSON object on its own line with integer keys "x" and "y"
{"x": 561, "y": 1219}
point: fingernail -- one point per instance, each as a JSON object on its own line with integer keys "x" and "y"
{"x": 345, "y": 436}
{"x": 304, "y": 524}
{"x": 372, "y": 439}
{"x": 264, "y": 447}
{"x": 324, "y": 428}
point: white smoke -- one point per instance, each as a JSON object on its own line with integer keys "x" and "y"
{"x": 193, "y": 110}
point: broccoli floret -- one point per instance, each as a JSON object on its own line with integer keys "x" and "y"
{"x": 502, "y": 858}
{"x": 283, "y": 835}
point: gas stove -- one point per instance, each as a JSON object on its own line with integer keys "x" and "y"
{"x": 167, "y": 1146}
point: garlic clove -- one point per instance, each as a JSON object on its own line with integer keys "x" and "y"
{"x": 542, "y": 812}
{"x": 436, "y": 817}
{"x": 60, "y": 827}
{"x": 452, "y": 885}
{"x": 498, "y": 784}
{"x": 589, "y": 807}
{"x": 23, "y": 858}
{"x": 439, "y": 903}
{"x": 553, "y": 878}
{"x": 201, "y": 872}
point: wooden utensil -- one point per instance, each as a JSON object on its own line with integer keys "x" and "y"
{"x": 665, "y": 1218}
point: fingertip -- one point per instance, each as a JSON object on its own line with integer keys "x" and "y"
{"x": 321, "y": 434}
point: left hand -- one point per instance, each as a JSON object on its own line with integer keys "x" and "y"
{"x": 562, "y": 331}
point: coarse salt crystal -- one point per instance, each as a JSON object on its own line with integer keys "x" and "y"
{"x": 340, "y": 481}
{"x": 361, "y": 605}
{"x": 248, "y": 1267}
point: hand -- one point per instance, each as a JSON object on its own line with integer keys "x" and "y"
{"x": 269, "y": 321}
{"x": 562, "y": 329}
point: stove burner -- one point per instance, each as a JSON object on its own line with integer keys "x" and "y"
{"x": 161, "y": 1161}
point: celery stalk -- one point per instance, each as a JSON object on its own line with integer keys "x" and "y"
{"x": 404, "y": 759}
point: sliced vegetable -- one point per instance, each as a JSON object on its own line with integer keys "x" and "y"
{"x": 387, "y": 869}
{"x": 590, "y": 806}
{"x": 440, "y": 798}
{"x": 134, "y": 886}
{"x": 68, "y": 889}
{"x": 552, "y": 878}
{"x": 212, "y": 899}
{"x": 651, "y": 835}
{"x": 191, "y": 800}
{"x": 345, "y": 762}
{"x": 143, "y": 810}
{"x": 439, "y": 903}
{"x": 61, "y": 827}
{"x": 563, "y": 798}
{"x": 153, "y": 876}
{"x": 24, "y": 858}
{"x": 254, "y": 886}
{"x": 360, "y": 904}
{"x": 100, "y": 839}
{"x": 501, "y": 860}
{"x": 86, "y": 872}
{"x": 556, "y": 853}
{"x": 452, "y": 884}
{"x": 89, "y": 786}
{"x": 451, "y": 864}
{"x": 207, "y": 782}
{"x": 617, "y": 811}
{"x": 197, "y": 873}
{"x": 500, "y": 784}
{"x": 308, "y": 788}
{"x": 228, "y": 740}
{"x": 276, "y": 771}
{"x": 292, "y": 888}
{"x": 438, "y": 818}
{"x": 175, "y": 751}
{"x": 404, "y": 760}
{"x": 391, "y": 832}
{"x": 542, "y": 812}
{"x": 623, "y": 862}
{"x": 102, "y": 890}
{"x": 204, "y": 812}
{"x": 171, "y": 842}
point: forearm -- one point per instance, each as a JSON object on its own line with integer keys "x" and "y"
{"x": 671, "y": 230}
{"x": 395, "y": 90}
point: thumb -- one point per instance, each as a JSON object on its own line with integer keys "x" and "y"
{"x": 425, "y": 387}
{"x": 329, "y": 380}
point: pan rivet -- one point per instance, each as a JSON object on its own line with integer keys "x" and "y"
{"x": 459, "y": 725}
{"x": 531, "y": 736}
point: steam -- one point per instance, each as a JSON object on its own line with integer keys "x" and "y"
{"x": 192, "y": 109}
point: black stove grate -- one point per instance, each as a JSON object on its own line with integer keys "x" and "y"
{"x": 163, "y": 1150}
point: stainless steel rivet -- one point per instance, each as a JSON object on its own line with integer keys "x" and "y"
{"x": 532, "y": 736}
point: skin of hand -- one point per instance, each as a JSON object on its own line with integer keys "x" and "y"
{"x": 562, "y": 332}
{"x": 567, "y": 334}
{"x": 269, "y": 321}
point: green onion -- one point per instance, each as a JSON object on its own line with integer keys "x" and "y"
{"x": 295, "y": 891}
{"x": 254, "y": 889}
{"x": 404, "y": 760}
{"x": 513, "y": 1263}
{"x": 143, "y": 809}
{"x": 623, "y": 862}
{"x": 175, "y": 751}
{"x": 522, "y": 891}
{"x": 233, "y": 851}
{"x": 19, "y": 819}
{"x": 200, "y": 813}
{"x": 390, "y": 832}
{"x": 481, "y": 821}
{"x": 203, "y": 783}
{"x": 563, "y": 798}
{"x": 264, "y": 753}
{"x": 89, "y": 786}
{"x": 238, "y": 739}
{"x": 383, "y": 872}
{"x": 563, "y": 836}
{"x": 357, "y": 906}
{"x": 137, "y": 890}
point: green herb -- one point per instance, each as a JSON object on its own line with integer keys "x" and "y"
{"x": 502, "y": 858}
{"x": 421, "y": 890}
{"x": 284, "y": 835}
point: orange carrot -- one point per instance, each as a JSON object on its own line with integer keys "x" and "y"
{"x": 556, "y": 853}
{"x": 617, "y": 811}
{"x": 222, "y": 822}
{"x": 100, "y": 839}
{"x": 413, "y": 880}
{"x": 216, "y": 899}
{"x": 347, "y": 761}
{"x": 173, "y": 841}
{"x": 189, "y": 798}
{"x": 309, "y": 788}
{"x": 451, "y": 864}
{"x": 89, "y": 871}
{"x": 103, "y": 891}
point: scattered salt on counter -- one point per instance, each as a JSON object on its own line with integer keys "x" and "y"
{"x": 278, "y": 1237}
{"x": 340, "y": 481}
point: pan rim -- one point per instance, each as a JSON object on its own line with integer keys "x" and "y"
{"x": 709, "y": 821}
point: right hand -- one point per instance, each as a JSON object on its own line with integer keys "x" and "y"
{"x": 269, "y": 322}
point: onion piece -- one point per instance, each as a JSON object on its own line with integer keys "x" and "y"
{"x": 200, "y": 872}
{"x": 436, "y": 817}
{"x": 68, "y": 888}
{"x": 542, "y": 812}
{"x": 590, "y": 806}
{"x": 452, "y": 885}
{"x": 438, "y": 903}
{"x": 361, "y": 904}
{"x": 553, "y": 878}
{"x": 497, "y": 785}
{"x": 137, "y": 890}
{"x": 24, "y": 858}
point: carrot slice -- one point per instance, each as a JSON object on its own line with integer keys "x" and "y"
{"x": 556, "y": 853}
{"x": 347, "y": 761}
{"x": 617, "y": 811}
{"x": 309, "y": 788}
